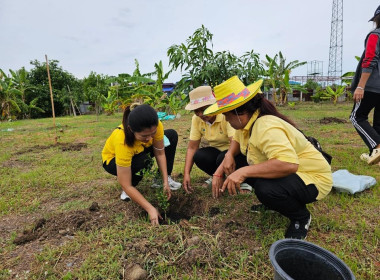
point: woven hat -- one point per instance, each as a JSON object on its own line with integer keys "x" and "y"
{"x": 232, "y": 94}
{"x": 375, "y": 14}
{"x": 200, "y": 97}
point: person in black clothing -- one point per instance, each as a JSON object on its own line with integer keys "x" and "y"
{"x": 366, "y": 88}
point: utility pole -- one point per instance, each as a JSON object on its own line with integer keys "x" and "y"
{"x": 336, "y": 41}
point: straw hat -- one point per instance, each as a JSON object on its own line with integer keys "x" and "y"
{"x": 200, "y": 97}
{"x": 232, "y": 94}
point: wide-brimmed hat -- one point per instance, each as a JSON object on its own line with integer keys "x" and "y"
{"x": 200, "y": 97}
{"x": 232, "y": 94}
{"x": 375, "y": 14}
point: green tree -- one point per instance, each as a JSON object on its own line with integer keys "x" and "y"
{"x": 202, "y": 66}
{"x": 60, "y": 80}
{"x": 95, "y": 88}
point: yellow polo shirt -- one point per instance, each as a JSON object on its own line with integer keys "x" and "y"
{"x": 217, "y": 134}
{"x": 115, "y": 146}
{"x": 274, "y": 138}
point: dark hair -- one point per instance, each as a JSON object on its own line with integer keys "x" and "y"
{"x": 377, "y": 20}
{"x": 266, "y": 108}
{"x": 136, "y": 120}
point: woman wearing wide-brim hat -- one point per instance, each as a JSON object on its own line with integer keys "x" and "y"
{"x": 285, "y": 169}
{"x": 214, "y": 130}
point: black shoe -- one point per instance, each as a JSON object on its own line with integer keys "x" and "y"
{"x": 298, "y": 229}
{"x": 257, "y": 208}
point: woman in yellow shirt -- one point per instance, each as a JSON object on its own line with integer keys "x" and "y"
{"x": 285, "y": 169}
{"x": 130, "y": 149}
{"x": 214, "y": 130}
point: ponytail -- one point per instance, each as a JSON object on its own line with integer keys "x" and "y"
{"x": 129, "y": 135}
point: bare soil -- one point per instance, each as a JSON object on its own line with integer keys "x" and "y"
{"x": 328, "y": 120}
{"x": 41, "y": 230}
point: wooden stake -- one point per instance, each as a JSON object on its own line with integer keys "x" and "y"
{"x": 71, "y": 101}
{"x": 51, "y": 97}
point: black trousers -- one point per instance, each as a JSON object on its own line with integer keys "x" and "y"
{"x": 207, "y": 158}
{"x": 144, "y": 160}
{"x": 359, "y": 118}
{"x": 287, "y": 195}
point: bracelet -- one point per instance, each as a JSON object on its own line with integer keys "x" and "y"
{"x": 216, "y": 175}
{"x": 360, "y": 88}
{"x": 159, "y": 149}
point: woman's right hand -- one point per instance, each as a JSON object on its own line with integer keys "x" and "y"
{"x": 217, "y": 183}
{"x": 228, "y": 164}
{"x": 358, "y": 94}
{"x": 154, "y": 216}
{"x": 187, "y": 183}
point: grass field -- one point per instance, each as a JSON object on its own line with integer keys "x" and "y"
{"x": 61, "y": 216}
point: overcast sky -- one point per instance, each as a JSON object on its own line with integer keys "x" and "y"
{"x": 106, "y": 36}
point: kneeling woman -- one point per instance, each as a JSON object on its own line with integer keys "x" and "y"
{"x": 129, "y": 151}
{"x": 213, "y": 129}
{"x": 285, "y": 169}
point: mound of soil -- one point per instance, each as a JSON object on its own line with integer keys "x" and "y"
{"x": 64, "y": 147}
{"x": 328, "y": 120}
{"x": 66, "y": 224}
{"x": 72, "y": 146}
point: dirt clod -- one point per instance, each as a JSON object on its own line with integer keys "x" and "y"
{"x": 135, "y": 272}
{"x": 40, "y": 223}
{"x": 94, "y": 207}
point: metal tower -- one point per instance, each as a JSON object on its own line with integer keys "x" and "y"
{"x": 336, "y": 40}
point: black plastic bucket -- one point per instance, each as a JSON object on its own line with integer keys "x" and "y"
{"x": 295, "y": 259}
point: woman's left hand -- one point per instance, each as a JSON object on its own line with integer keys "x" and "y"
{"x": 233, "y": 181}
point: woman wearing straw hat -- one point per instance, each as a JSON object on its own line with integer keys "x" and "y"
{"x": 214, "y": 130}
{"x": 285, "y": 169}
{"x": 130, "y": 149}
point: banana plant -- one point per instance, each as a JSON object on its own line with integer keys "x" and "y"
{"x": 348, "y": 76}
{"x": 334, "y": 94}
{"x": 110, "y": 103}
{"x": 277, "y": 71}
{"x": 8, "y": 97}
